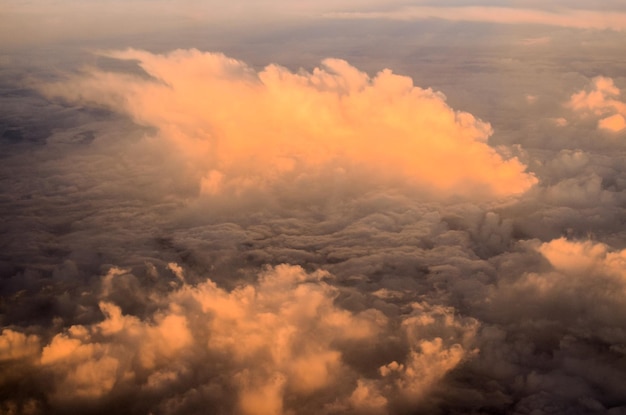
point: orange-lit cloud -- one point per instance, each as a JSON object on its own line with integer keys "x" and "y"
{"x": 270, "y": 342}
{"x": 601, "y": 100}
{"x": 16, "y": 345}
{"x": 237, "y": 128}
{"x": 585, "y": 259}
{"x": 615, "y": 123}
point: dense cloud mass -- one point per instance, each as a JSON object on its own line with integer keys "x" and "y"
{"x": 185, "y": 233}
{"x": 237, "y": 128}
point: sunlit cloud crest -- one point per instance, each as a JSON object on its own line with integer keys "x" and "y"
{"x": 238, "y": 127}
{"x": 271, "y": 342}
{"x": 601, "y": 99}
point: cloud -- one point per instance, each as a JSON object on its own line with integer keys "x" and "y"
{"x": 15, "y": 345}
{"x": 563, "y": 309}
{"x": 600, "y": 99}
{"x": 271, "y": 343}
{"x": 95, "y": 22}
{"x": 615, "y": 123}
{"x": 566, "y": 17}
{"x": 151, "y": 264}
{"x": 236, "y": 128}
{"x": 533, "y": 41}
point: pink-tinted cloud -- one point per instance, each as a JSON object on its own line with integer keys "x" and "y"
{"x": 575, "y": 18}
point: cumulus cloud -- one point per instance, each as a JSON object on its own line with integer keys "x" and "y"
{"x": 601, "y": 99}
{"x": 581, "y": 273}
{"x": 237, "y": 128}
{"x": 258, "y": 349}
{"x": 15, "y": 345}
{"x": 571, "y": 310}
{"x": 314, "y": 342}
{"x": 613, "y": 123}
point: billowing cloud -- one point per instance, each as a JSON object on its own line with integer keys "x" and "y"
{"x": 571, "y": 309}
{"x": 258, "y": 349}
{"x": 581, "y": 274}
{"x": 15, "y": 345}
{"x": 615, "y": 123}
{"x": 601, "y": 99}
{"x": 237, "y": 128}
{"x": 291, "y": 340}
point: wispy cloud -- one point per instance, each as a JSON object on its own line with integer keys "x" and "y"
{"x": 574, "y": 18}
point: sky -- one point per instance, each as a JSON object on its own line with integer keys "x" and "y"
{"x": 280, "y": 208}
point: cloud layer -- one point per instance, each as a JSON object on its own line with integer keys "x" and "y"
{"x": 30, "y": 24}
{"x": 184, "y": 232}
{"x": 564, "y": 16}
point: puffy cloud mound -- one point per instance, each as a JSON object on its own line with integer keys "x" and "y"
{"x": 601, "y": 100}
{"x": 237, "y": 128}
{"x": 567, "y": 314}
{"x": 274, "y": 346}
{"x": 582, "y": 287}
